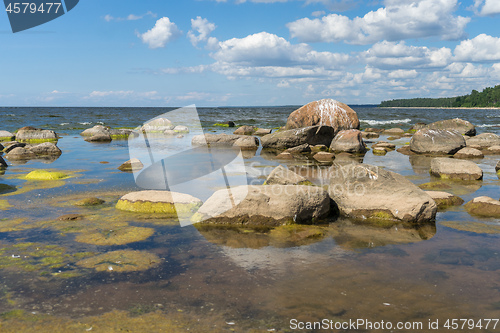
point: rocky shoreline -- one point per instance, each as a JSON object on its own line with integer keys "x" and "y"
{"x": 325, "y": 133}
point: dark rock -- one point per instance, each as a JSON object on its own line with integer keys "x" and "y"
{"x": 9, "y": 146}
{"x": 305, "y": 148}
{"x": 3, "y": 164}
{"x": 90, "y": 202}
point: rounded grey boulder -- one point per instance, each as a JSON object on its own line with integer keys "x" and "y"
{"x": 431, "y": 141}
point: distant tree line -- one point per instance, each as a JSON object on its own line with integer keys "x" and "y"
{"x": 489, "y": 97}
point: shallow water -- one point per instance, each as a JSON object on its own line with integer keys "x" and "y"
{"x": 229, "y": 280}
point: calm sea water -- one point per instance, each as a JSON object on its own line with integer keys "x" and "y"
{"x": 228, "y": 280}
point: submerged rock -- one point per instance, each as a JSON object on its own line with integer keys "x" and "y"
{"x": 131, "y": 165}
{"x": 121, "y": 261}
{"x": 305, "y": 148}
{"x": 484, "y": 140}
{"x": 162, "y": 202}
{"x": 458, "y": 125}
{"x": 99, "y": 138}
{"x": 325, "y": 112}
{"x": 468, "y": 152}
{"x": 115, "y": 235}
{"x": 349, "y": 141}
{"x": 444, "y": 199}
{"x": 368, "y": 192}
{"x": 314, "y": 135}
{"x": 483, "y": 206}
{"x": 46, "y": 175}
{"x": 269, "y": 205}
{"x": 33, "y": 135}
{"x": 181, "y": 129}
{"x": 6, "y": 136}
{"x": 90, "y": 202}
{"x": 370, "y": 135}
{"x": 454, "y": 169}
{"x": 283, "y": 176}
{"x": 476, "y": 227}
{"x": 430, "y": 141}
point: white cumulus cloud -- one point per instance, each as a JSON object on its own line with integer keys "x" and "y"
{"x": 399, "y": 20}
{"x": 163, "y": 32}
{"x": 201, "y": 30}
{"x": 487, "y": 7}
{"x": 481, "y": 48}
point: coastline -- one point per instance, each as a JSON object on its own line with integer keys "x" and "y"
{"x": 434, "y": 107}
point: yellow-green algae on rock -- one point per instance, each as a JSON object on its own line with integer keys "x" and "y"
{"x": 4, "y": 205}
{"x": 476, "y": 227}
{"x": 121, "y": 261}
{"x": 162, "y": 202}
{"x": 19, "y": 321}
{"x": 35, "y": 257}
{"x": 10, "y": 225}
{"x": 115, "y": 236}
{"x": 46, "y": 175}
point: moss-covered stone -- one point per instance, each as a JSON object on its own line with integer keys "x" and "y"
{"x": 121, "y": 261}
{"x": 90, "y": 202}
{"x": 10, "y": 225}
{"x": 483, "y": 206}
{"x": 159, "y": 202}
{"x": 220, "y": 125}
{"x": 444, "y": 199}
{"x": 4, "y": 188}
{"x": 115, "y": 236}
{"x": 46, "y": 175}
{"x": 4, "y": 205}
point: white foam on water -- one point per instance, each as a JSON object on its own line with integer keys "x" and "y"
{"x": 386, "y": 122}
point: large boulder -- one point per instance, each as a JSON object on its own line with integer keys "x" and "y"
{"x": 283, "y": 176}
{"x": 46, "y": 149}
{"x": 483, "y": 206}
{"x": 270, "y": 205}
{"x": 368, "y": 192}
{"x": 484, "y": 140}
{"x": 325, "y": 112}
{"x": 101, "y": 131}
{"x": 454, "y": 169}
{"x": 227, "y": 140}
{"x": 314, "y": 135}
{"x": 96, "y": 130}
{"x": 159, "y": 202}
{"x": 6, "y": 136}
{"x": 468, "y": 152}
{"x": 458, "y": 125}
{"x": 349, "y": 141}
{"x": 20, "y": 154}
{"x": 158, "y": 125}
{"x": 33, "y": 135}
{"x": 431, "y": 141}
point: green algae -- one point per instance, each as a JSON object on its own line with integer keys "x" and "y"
{"x": 119, "y": 136}
{"x": 4, "y": 188}
{"x": 37, "y": 141}
{"x": 169, "y": 209}
{"x": 33, "y": 186}
{"x": 35, "y": 257}
{"x": 220, "y": 125}
{"x": 4, "y": 205}
{"x": 119, "y": 236}
{"x": 90, "y": 202}
{"x": 121, "y": 261}
{"x": 10, "y": 225}
{"x": 476, "y": 227}
{"x": 46, "y": 175}
{"x": 20, "y": 321}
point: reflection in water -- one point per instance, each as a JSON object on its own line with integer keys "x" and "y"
{"x": 421, "y": 164}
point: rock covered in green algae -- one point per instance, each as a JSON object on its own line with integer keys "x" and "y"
{"x": 453, "y": 169}
{"x": 46, "y": 175}
{"x": 90, "y": 202}
{"x": 6, "y": 136}
{"x": 282, "y": 176}
{"x": 121, "y": 261}
{"x": 483, "y": 206}
{"x": 35, "y": 135}
{"x": 444, "y": 199}
{"x": 269, "y": 205}
{"x": 131, "y": 165}
{"x": 115, "y": 236}
{"x": 162, "y": 202}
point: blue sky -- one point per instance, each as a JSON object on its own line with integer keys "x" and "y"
{"x": 253, "y": 52}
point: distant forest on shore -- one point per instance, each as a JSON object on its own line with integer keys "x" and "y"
{"x": 489, "y": 97}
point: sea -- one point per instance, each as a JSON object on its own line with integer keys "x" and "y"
{"x": 71, "y": 268}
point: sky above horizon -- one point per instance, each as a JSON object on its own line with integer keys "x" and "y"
{"x": 251, "y": 52}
